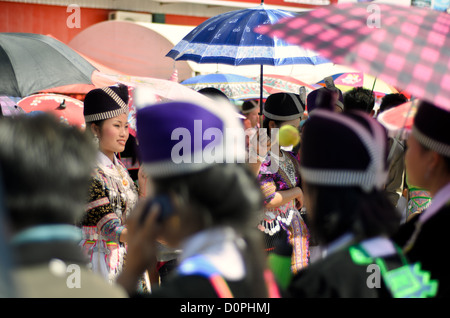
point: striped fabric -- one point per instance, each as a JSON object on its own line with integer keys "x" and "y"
{"x": 112, "y": 113}
{"x": 374, "y": 176}
{"x": 434, "y": 145}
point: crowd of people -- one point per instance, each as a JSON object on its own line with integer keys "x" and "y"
{"x": 337, "y": 205}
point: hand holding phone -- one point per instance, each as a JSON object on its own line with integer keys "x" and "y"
{"x": 165, "y": 208}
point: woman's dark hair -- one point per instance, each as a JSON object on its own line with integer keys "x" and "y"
{"x": 338, "y": 210}
{"x": 359, "y": 98}
{"x": 447, "y": 163}
{"x": 231, "y": 195}
{"x": 266, "y": 121}
{"x": 392, "y": 100}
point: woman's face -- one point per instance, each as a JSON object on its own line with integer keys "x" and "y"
{"x": 415, "y": 162}
{"x": 114, "y": 134}
{"x": 253, "y": 116}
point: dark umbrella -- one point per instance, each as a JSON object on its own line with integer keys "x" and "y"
{"x": 408, "y": 47}
{"x": 31, "y": 62}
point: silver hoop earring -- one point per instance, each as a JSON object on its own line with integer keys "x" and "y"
{"x": 96, "y": 140}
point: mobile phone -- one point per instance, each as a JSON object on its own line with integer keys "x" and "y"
{"x": 165, "y": 208}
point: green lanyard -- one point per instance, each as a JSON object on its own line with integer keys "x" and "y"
{"x": 406, "y": 281}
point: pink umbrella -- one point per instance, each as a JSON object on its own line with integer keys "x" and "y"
{"x": 406, "y": 47}
{"x": 161, "y": 90}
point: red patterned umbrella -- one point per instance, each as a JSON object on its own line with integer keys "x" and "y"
{"x": 69, "y": 110}
{"x": 406, "y": 47}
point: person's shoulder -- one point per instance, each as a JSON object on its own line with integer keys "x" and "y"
{"x": 438, "y": 222}
{"x": 337, "y": 275}
{"x": 41, "y": 281}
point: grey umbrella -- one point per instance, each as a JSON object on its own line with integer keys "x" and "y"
{"x": 32, "y": 62}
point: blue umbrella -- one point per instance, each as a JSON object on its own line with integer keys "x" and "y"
{"x": 235, "y": 87}
{"x": 229, "y": 38}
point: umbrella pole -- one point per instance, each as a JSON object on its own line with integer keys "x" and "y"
{"x": 261, "y": 87}
{"x": 374, "y": 82}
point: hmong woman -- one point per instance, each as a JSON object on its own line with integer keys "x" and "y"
{"x": 207, "y": 208}
{"x": 344, "y": 169}
{"x": 279, "y": 177}
{"x": 424, "y": 237}
{"x": 112, "y": 194}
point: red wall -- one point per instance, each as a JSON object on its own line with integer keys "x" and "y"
{"x": 184, "y": 20}
{"x": 281, "y": 3}
{"x": 46, "y": 19}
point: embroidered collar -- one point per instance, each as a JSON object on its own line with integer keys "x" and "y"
{"x": 338, "y": 244}
{"x": 105, "y": 161}
{"x": 376, "y": 246}
{"x": 220, "y": 246}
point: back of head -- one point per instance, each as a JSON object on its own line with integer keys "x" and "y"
{"x": 47, "y": 167}
{"x": 214, "y": 93}
{"x": 392, "y": 100}
{"x": 248, "y": 106}
{"x": 280, "y": 107}
{"x": 224, "y": 194}
{"x": 430, "y": 129}
{"x": 215, "y": 193}
{"x": 359, "y": 98}
{"x": 345, "y": 175}
{"x": 324, "y": 97}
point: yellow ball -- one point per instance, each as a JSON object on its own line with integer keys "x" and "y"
{"x": 288, "y": 136}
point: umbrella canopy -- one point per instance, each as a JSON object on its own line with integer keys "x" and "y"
{"x": 350, "y": 80}
{"x": 405, "y": 46}
{"x": 162, "y": 90}
{"x": 235, "y": 87}
{"x": 156, "y": 90}
{"x": 8, "y": 107}
{"x": 31, "y": 62}
{"x": 274, "y": 83}
{"x": 229, "y": 38}
{"x": 399, "y": 119}
{"x": 68, "y": 110}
